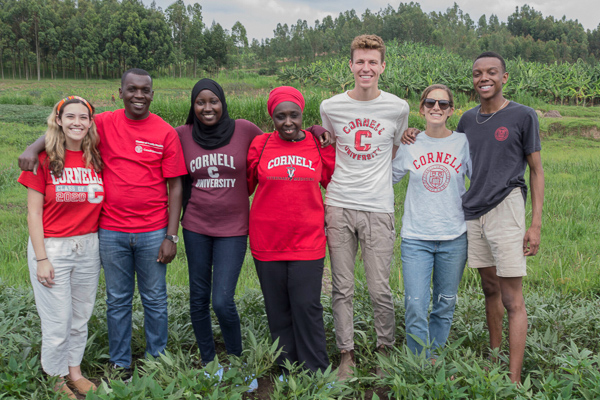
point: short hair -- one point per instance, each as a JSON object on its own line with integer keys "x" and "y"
{"x": 430, "y": 89}
{"x": 492, "y": 54}
{"x": 135, "y": 71}
{"x": 369, "y": 42}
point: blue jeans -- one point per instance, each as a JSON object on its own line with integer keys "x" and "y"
{"x": 214, "y": 265}
{"x": 124, "y": 255}
{"x": 446, "y": 261}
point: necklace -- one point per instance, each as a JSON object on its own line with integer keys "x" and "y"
{"x": 490, "y": 117}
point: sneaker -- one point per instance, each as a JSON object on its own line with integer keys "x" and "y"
{"x": 122, "y": 373}
{"x": 346, "y": 365}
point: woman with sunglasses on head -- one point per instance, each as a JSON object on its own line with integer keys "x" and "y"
{"x": 287, "y": 228}
{"x": 434, "y": 240}
{"x": 64, "y": 199}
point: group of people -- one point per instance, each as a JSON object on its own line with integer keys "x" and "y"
{"x": 110, "y": 189}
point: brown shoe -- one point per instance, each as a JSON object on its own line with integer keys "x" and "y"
{"x": 346, "y": 365}
{"x": 385, "y": 352}
{"x": 81, "y": 385}
{"x": 61, "y": 387}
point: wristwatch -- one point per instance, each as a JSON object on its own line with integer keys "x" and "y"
{"x": 172, "y": 238}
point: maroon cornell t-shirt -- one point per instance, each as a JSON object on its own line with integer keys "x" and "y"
{"x": 219, "y": 204}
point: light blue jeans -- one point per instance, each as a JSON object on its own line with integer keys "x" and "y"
{"x": 125, "y": 255}
{"x": 424, "y": 261}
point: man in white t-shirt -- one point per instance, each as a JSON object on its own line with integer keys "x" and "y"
{"x": 368, "y": 125}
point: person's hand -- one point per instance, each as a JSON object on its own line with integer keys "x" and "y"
{"x": 410, "y": 135}
{"x": 28, "y": 161}
{"x": 167, "y": 252}
{"x": 45, "y": 273}
{"x": 531, "y": 241}
{"x": 326, "y": 139}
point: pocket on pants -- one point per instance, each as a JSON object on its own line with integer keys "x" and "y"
{"x": 57, "y": 247}
{"x": 382, "y": 233}
{"x": 336, "y": 231}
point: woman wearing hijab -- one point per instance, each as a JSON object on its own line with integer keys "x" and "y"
{"x": 215, "y": 217}
{"x": 215, "y": 213}
{"x": 287, "y": 233}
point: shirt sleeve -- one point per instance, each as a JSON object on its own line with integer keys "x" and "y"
{"x": 325, "y": 120}
{"x": 254, "y": 151}
{"x": 328, "y": 158}
{"x": 467, "y": 160}
{"x": 316, "y": 130}
{"x": 35, "y": 182}
{"x": 531, "y": 133}
{"x": 173, "y": 163}
{"x": 398, "y": 167}
{"x": 401, "y": 125}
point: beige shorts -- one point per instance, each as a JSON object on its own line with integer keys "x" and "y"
{"x": 496, "y": 238}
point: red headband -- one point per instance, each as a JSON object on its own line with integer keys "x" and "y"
{"x": 284, "y": 93}
{"x": 62, "y": 103}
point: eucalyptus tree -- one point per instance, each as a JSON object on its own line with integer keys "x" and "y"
{"x": 195, "y": 42}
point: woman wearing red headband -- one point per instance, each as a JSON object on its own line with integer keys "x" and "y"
{"x": 64, "y": 199}
{"x": 287, "y": 233}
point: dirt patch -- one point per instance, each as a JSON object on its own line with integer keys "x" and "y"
{"x": 265, "y": 388}
{"x": 552, "y": 114}
{"x": 590, "y": 132}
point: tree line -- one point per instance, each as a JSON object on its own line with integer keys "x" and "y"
{"x": 101, "y": 38}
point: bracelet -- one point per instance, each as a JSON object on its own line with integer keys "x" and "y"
{"x": 42, "y": 259}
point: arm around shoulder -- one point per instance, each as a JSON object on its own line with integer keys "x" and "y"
{"x": 28, "y": 160}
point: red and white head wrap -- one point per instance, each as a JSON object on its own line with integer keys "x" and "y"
{"x": 282, "y": 94}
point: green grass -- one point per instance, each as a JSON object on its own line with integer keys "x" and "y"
{"x": 561, "y": 291}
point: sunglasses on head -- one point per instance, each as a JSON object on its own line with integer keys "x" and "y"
{"x": 430, "y": 103}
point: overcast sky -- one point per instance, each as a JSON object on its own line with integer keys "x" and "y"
{"x": 260, "y": 17}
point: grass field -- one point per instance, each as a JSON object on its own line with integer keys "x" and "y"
{"x": 562, "y": 286}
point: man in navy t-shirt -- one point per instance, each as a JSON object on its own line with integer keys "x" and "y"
{"x": 503, "y": 140}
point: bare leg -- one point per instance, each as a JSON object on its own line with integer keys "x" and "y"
{"x": 512, "y": 299}
{"x": 494, "y": 309}
{"x": 75, "y": 373}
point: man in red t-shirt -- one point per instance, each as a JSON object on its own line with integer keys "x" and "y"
{"x": 140, "y": 219}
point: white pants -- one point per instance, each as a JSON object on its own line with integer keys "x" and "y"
{"x": 66, "y": 308}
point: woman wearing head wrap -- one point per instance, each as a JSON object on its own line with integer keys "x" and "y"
{"x": 287, "y": 234}
{"x": 215, "y": 217}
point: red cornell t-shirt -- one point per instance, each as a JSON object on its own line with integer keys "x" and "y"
{"x": 138, "y": 156}
{"x": 72, "y": 203}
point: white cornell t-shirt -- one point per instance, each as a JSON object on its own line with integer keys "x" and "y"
{"x": 433, "y": 205}
{"x": 365, "y": 134}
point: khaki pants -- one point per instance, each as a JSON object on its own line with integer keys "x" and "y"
{"x": 376, "y": 234}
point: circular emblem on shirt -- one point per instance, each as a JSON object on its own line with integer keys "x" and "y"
{"x": 501, "y": 134}
{"x": 436, "y": 178}
{"x": 138, "y": 149}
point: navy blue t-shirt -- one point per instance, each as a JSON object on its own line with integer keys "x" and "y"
{"x": 498, "y": 148}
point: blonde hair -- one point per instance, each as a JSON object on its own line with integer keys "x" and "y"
{"x": 56, "y": 141}
{"x": 430, "y": 89}
{"x": 369, "y": 42}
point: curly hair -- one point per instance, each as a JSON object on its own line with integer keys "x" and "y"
{"x": 56, "y": 141}
{"x": 369, "y": 42}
